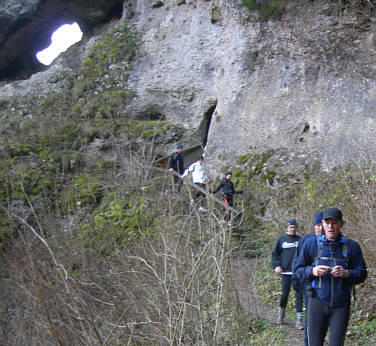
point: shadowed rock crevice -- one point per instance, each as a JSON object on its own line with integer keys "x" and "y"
{"x": 198, "y": 142}
{"x": 203, "y": 129}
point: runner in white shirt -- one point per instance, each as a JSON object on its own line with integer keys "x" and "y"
{"x": 199, "y": 178}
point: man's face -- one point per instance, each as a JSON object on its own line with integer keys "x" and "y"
{"x": 179, "y": 150}
{"x": 291, "y": 230}
{"x": 319, "y": 229}
{"x": 332, "y": 228}
{"x": 228, "y": 177}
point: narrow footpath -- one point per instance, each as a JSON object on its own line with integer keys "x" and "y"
{"x": 252, "y": 303}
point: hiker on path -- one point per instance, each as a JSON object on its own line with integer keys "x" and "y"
{"x": 199, "y": 178}
{"x": 318, "y": 230}
{"x": 228, "y": 191}
{"x": 334, "y": 264}
{"x": 176, "y": 164}
{"x": 282, "y": 256}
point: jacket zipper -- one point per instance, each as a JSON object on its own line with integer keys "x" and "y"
{"x": 333, "y": 262}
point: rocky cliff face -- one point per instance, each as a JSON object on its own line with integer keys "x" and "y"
{"x": 302, "y": 85}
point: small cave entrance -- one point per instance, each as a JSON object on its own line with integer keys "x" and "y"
{"x": 205, "y": 124}
{"x": 197, "y": 145}
{"x": 194, "y": 152}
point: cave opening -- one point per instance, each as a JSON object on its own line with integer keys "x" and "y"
{"x": 193, "y": 153}
{"x": 61, "y": 39}
{"x": 205, "y": 124}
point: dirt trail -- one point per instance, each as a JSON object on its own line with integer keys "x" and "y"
{"x": 244, "y": 269}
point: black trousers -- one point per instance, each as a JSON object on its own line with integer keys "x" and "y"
{"x": 305, "y": 295}
{"x": 286, "y": 286}
{"x": 198, "y": 193}
{"x": 178, "y": 181}
{"x": 320, "y": 317}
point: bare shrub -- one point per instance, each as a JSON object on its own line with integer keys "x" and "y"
{"x": 165, "y": 282}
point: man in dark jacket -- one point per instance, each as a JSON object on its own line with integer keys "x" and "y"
{"x": 318, "y": 230}
{"x": 334, "y": 264}
{"x": 282, "y": 256}
{"x": 176, "y": 164}
{"x": 228, "y": 191}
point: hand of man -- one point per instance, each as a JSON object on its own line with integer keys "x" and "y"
{"x": 339, "y": 271}
{"x": 278, "y": 270}
{"x": 320, "y": 270}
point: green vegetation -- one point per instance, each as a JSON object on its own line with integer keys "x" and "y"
{"x": 264, "y": 333}
{"x": 362, "y": 327}
{"x": 119, "y": 221}
{"x": 365, "y": 7}
{"x": 118, "y": 46}
{"x": 148, "y": 129}
{"x": 274, "y": 8}
{"x": 265, "y": 9}
{"x": 99, "y": 92}
{"x": 216, "y": 14}
{"x": 84, "y": 191}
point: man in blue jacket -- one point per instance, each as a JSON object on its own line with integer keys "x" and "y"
{"x": 334, "y": 264}
{"x": 318, "y": 230}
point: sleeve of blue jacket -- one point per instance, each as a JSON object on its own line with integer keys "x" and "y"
{"x": 357, "y": 265}
{"x": 302, "y": 264}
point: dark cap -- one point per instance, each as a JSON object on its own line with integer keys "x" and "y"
{"x": 179, "y": 146}
{"x": 332, "y": 213}
{"x": 317, "y": 218}
{"x": 228, "y": 174}
{"x": 291, "y": 222}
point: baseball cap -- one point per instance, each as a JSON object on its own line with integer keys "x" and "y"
{"x": 291, "y": 222}
{"x": 332, "y": 213}
{"x": 317, "y": 218}
{"x": 179, "y": 146}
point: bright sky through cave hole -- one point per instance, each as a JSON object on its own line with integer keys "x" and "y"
{"x": 62, "y": 39}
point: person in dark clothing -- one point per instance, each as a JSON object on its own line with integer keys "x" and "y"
{"x": 228, "y": 191}
{"x": 282, "y": 256}
{"x": 333, "y": 264}
{"x": 318, "y": 230}
{"x": 176, "y": 164}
